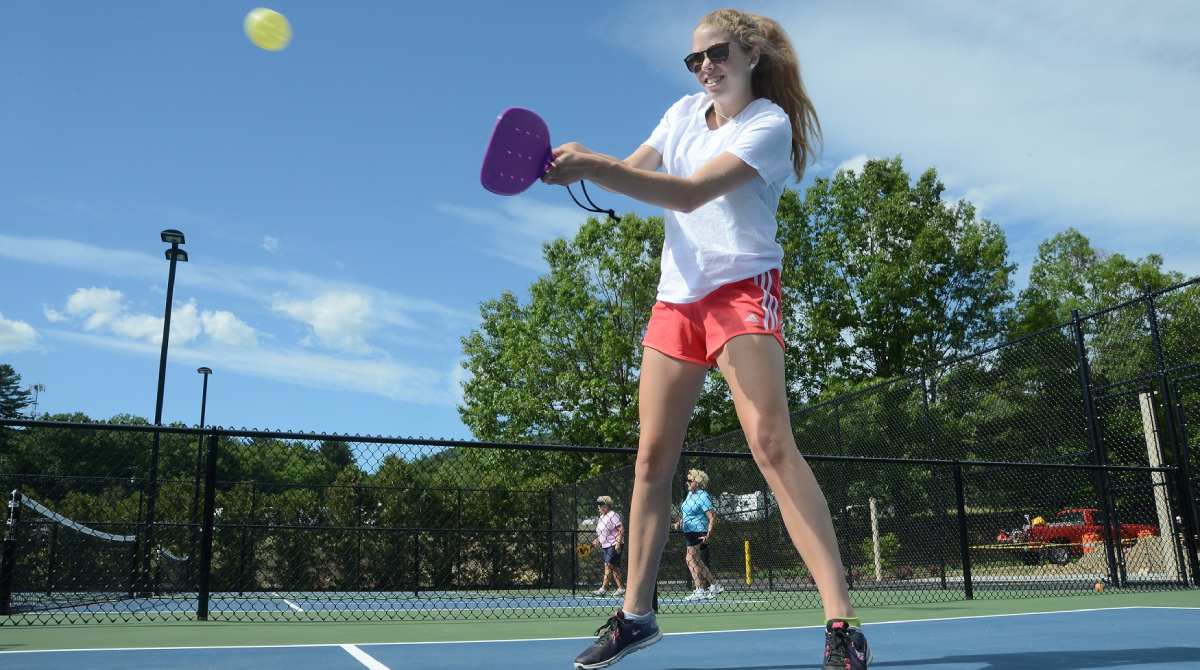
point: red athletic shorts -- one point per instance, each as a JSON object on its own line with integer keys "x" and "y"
{"x": 696, "y": 331}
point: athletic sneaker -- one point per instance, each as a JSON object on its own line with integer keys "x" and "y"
{"x": 698, "y": 594}
{"x": 599, "y": 592}
{"x": 616, "y": 639}
{"x": 714, "y": 589}
{"x": 845, "y": 647}
{"x": 619, "y": 592}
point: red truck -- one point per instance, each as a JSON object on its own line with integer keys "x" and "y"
{"x": 1068, "y": 535}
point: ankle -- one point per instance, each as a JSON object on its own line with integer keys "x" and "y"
{"x": 630, "y": 616}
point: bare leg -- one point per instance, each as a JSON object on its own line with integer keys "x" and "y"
{"x": 705, "y": 573}
{"x": 695, "y": 566}
{"x": 668, "y": 390}
{"x": 753, "y": 366}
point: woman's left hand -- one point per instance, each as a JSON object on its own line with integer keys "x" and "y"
{"x": 572, "y": 162}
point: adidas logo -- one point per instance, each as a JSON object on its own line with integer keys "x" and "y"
{"x": 751, "y": 318}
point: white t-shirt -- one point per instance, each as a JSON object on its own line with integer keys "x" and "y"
{"x": 731, "y": 237}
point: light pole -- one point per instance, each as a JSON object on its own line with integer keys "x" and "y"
{"x": 37, "y": 389}
{"x": 174, "y": 254}
{"x": 199, "y": 460}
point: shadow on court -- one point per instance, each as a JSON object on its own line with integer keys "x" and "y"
{"x": 1028, "y": 660}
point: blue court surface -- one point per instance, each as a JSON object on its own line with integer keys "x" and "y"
{"x": 1157, "y": 638}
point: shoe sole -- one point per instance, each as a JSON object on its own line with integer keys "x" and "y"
{"x": 624, "y": 652}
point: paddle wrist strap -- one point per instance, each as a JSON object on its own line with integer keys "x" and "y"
{"x": 594, "y": 208}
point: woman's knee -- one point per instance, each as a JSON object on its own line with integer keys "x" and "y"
{"x": 772, "y": 446}
{"x": 655, "y": 461}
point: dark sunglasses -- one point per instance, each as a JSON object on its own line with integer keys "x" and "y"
{"x": 717, "y": 53}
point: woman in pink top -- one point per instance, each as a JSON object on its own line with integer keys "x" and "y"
{"x": 609, "y": 537}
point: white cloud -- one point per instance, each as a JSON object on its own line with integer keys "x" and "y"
{"x": 140, "y": 327}
{"x": 99, "y": 307}
{"x": 225, "y": 328}
{"x": 519, "y": 226}
{"x": 260, "y": 284}
{"x": 854, "y": 164}
{"x": 375, "y": 375}
{"x": 270, "y": 244}
{"x": 16, "y": 336}
{"x": 339, "y": 320}
{"x": 105, "y": 309}
{"x": 340, "y": 315}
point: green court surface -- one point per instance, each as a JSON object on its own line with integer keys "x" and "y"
{"x": 202, "y": 634}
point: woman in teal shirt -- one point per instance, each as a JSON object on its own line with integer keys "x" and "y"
{"x": 697, "y": 524}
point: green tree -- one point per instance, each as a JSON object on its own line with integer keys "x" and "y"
{"x": 13, "y": 398}
{"x": 564, "y": 366}
{"x": 1070, "y": 274}
{"x": 882, "y": 276}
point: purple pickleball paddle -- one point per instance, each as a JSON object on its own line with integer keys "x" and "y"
{"x": 518, "y": 153}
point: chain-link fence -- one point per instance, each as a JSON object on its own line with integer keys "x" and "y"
{"x": 1117, "y": 387}
{"x": 1043, "y": 466}
{"x": 302, "y": 527}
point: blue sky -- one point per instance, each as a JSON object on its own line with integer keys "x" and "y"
{"x": 340, "y": 242}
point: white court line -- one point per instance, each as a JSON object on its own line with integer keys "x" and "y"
{"x": 869, "y": 624}
{"x": 290, "y": 604}
{"x": 364, "y": 658}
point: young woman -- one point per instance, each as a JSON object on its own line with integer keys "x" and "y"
{"x": 726, "y": 154}
{"x": 610, "y": 535}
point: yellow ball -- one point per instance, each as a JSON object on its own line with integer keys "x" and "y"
{"x": 268, "y": 29}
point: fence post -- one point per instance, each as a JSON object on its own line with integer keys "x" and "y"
{"x": 1173, "y": 410}
{"x": 963, "y": 545}
{"x": 206, "y": 531}
{"x": 1190, "y": 520}
{"x": 8, "y": 555}
{"x": 197, "y": 476}
{"x": 1094, "y": 441}
{"x": 1188, "y": 527}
